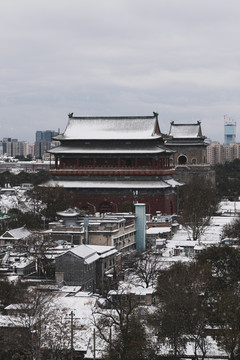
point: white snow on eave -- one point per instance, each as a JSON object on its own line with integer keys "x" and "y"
{"x": 173, "y": 182}
{"x": 91, "y": 258}
{"x": 71, "y": 150}
{"x": 110, "y": 184}
{"x": 102, "y": 249}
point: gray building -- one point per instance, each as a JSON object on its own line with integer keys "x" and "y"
{"x": 43, "y": 142}
{"x": 89, "y": 266}
{"x": 77, "y": 266}
{"x": 45, "y": 135}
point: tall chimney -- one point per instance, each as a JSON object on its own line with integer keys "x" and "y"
{"x": 140, "y": 212}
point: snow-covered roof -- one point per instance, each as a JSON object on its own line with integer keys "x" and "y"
{"x": 158, "y": 230}
{"x": 185, "y": 130}
{"x": 112, "y": 184}
{"x": 103, "y": 250}
{"x": 68, "y": 213}
{"x": 19, "y": 233}
{"x": 173, "y": 182}
{"x": 229, "y": 207}
{"x": 64, "y": 149}
{"x": 111, "y": 127}
{"x": 85, "y": 252}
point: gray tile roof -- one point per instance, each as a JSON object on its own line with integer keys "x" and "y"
{"x": 185, "y": 130}
{"x": 112, "y": 128}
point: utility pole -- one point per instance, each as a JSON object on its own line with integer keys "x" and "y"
{"x": 72, "y": 318}
{"x": 72, "y": 349}
{"x": 94, "y": 344}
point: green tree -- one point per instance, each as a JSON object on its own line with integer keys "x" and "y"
{"x": 224, "y": 296}
{"x": 132, "y": 344}
{"x": 228, "y": 179}
{"x": 49, "y": 200}
{"x": 11, "y": 292}
{"x": 32, "y": 221}
{"x": 232, "y": 230}
{"x": 23, "y": 177}
{"x": 180, "y": 314}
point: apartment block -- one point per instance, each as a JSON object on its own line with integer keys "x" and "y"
{"x": 219, "y": 154}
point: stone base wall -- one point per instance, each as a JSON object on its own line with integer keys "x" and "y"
{"x": 185, "y": 173}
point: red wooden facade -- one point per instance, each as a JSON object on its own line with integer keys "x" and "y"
{"x": 107, "y": 161}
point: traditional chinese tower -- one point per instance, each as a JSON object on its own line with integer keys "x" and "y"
{"x": 113, "y": 162}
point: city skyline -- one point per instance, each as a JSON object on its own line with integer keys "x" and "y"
{"x": 56, "y": 131}
{"x": 180, "y": 59}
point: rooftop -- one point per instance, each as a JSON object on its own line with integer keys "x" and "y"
{"x": 111, "y": 127}
{"x": 178, "y": 131}
{"x": 19, "y": 233}
{"x": 128, "y": 184}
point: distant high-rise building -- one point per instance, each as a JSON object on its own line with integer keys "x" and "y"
{"x": 45, "y": 135}
{"x": 13, "y": 147}
{"x": 229, "y": 132}
{"x": 43, "y": 142}
{"x": 219, "y": 154}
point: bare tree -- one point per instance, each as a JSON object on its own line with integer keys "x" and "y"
{"x": 199, "y": 202}
{"x": 46, "y": 325}
{"x": 148, "y": 265}
{"x": 115, "y": 322}
{"x": 37, "y": 248}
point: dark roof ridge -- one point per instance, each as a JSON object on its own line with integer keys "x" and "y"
{"x": 112, "y": 117}
{"x": 186, "y": 124}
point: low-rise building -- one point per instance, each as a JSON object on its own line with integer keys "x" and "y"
{"x": 15, "y": 237}
{"x": 77, "y": 266}
{"x": 116, "y": 229}
{"x": 91, "y": 267}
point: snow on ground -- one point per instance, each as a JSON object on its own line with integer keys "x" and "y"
{"x": 82, "y": 305}
{"x": 229, "y": 207}
{"x": 182, "y": 248}
{"x": 16, "y": 198}
{"x": 212, "y": 350}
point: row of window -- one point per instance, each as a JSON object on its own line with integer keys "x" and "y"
{"x": 88, "y": 267}
{"x": 124, "y": 238}
{"x": 115, "y": 163}
{"x": 109, "y": 263}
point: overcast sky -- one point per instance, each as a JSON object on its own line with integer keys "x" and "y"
{"x": 180, "y": 58}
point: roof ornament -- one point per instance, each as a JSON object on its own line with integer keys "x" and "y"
{"x": 70, "y": 115}
{"x": 155, "y": 114}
